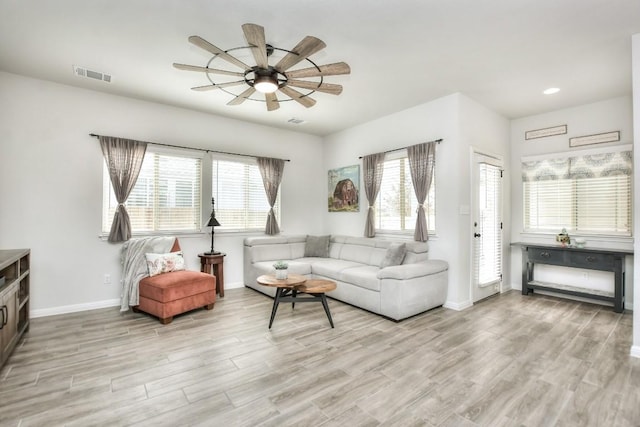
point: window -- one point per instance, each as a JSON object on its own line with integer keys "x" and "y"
{"x": 396, "y": 205}
{"x": 586, "y": 194}
{"x": 166, "y": 197}
{"x": 241, "y": 202}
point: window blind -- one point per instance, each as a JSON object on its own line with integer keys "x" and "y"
{"x": 396, "y": 205}
{"x": 587, "y": 194}
{"x": 241, "y": 202}
{"x": 488, "y": 250}
{"x": 166, "y": 197}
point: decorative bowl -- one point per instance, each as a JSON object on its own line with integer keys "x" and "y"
{"x": 579, "y": 242}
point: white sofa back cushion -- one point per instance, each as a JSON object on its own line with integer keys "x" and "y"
{"x": 272, "y": 248}
{"x": 416, "y": 252}
{"x": 357, "y": 249}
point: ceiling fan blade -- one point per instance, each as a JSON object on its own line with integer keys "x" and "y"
{"x": 317, "y": 86}
{"x": 218, "y": 85}
{"x": 187, "y": 67}
{"x": 242, "y": 97}
{"x": 272, "y": 101}
{"x": 202, "y": 43}
{"x": 297, "y": 96}
{"x": 325, "y": 70}
{"x": 255, "y": 37}
{"x": 307, "y": 47}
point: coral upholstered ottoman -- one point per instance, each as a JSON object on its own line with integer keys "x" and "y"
{"x": 168, "y": 294}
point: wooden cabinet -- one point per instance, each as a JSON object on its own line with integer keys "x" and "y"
{"x": 14, "y": 299}
{"x": 8, "y": 319}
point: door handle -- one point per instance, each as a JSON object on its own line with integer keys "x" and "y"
{"x": 3, "y": 317}
{"x": 476, "y": 234}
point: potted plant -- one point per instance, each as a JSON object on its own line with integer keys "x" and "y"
{"x": 281, "y": 269}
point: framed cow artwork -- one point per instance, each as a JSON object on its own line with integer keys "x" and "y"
{"x": 344, "y": 189}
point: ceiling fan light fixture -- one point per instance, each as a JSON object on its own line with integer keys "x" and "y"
{"x": 265, "y": 84}
{"x": 266, "y": 78}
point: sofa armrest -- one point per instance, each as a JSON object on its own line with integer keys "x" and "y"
{"x": 410, "y": 271}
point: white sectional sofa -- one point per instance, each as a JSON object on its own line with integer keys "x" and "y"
{"x": 359, "y": 267}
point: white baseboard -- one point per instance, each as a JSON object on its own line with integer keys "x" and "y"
{"x": 635, "y": 351}
{"x": 43, "y": 312}
{"x": 458, "y": 306}
{"x": 234, "y": 285}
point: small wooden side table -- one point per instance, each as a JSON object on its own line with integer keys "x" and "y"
{"x": 214, "y": 264}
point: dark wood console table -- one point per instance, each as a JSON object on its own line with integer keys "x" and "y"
{"x": 589, "y": 258}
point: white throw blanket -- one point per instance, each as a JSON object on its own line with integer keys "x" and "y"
{"x": 134, "y": 265}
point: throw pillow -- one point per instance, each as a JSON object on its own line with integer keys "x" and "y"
{"x": 164, "y": 263}
{"x": 317, "y": 246}
{"x": 395, "y": 255}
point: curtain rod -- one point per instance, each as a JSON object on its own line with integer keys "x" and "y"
{"x": 192, "y": 148}
{"x": 398, "y": 149}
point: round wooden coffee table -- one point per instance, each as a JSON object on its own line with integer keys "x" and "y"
{"x": 287, "y": 290}
{"x": 291, "y": 280}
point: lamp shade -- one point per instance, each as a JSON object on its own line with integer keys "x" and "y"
{"x": 213, "y": 222}
{"x": 265, "y": 83}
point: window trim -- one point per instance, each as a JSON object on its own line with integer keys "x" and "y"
{"x": 251, "y": 161}
{"x": 166, "y": 151}
{"x": 612, "y": 238}
{"x": 408, "y": 232}
{"x": 206, "y": 192}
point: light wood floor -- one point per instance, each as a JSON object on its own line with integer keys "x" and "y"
{"x": 507, "y": 361}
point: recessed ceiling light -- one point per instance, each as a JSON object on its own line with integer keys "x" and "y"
{"x": 551, "y": 91}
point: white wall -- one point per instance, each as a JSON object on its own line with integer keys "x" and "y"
{"x": 635, "y": 349}
{"x": 605, "y": 116}
{"x": 461, "y": 123}
{"x": 51, "y": 182}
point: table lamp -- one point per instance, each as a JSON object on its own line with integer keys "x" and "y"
{"x": 213, "y": 222}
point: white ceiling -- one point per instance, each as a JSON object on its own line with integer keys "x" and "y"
{"x": 502, "y": 53}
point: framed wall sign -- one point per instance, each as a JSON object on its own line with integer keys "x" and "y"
{"x": 594, "y": 139}
{"x": 542, "y": 133}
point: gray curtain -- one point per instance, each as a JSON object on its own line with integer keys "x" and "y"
{"x": 422, "y": 161}
{"x": 271, "y": 171}
{"x": 372, "y": 174}
{"x": 124, "y": 159}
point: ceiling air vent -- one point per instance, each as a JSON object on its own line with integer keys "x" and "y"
{"x": 295, "y": 121}
{"x": 90, "y": 74}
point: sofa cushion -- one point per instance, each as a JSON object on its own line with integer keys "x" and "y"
{"x": 358, "y": 249}
{"x": 331, "y": 268}
{"x": 164, "y": 263}
{"x": 410, "y": 271}
{"x": 395, "y": 255}
{"x": 416, "y": 252}
{"x": 364, "y": 277}
{"x": 317, "y": 246}
{"x": 271, "y": 252}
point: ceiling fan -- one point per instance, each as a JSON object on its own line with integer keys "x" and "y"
{"x": 266, "y": 78}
